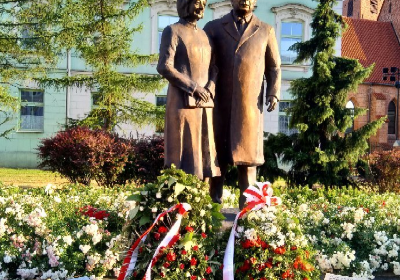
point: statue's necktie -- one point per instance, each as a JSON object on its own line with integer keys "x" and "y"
{"x": 241, "y": 24}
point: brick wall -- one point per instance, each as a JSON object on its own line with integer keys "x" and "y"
{"x": 377, "y": 98}
{"x": 390, "y": 12}
{"x": 363, "y": 9}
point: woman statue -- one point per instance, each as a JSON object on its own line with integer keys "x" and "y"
{"x": 186, "y": 62}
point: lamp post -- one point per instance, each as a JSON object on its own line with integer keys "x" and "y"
{"x": 394, "y": 76}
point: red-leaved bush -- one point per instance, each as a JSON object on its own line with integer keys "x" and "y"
{"x": 81, "y": 154}
{"x": 385, "y": 169}
{"x": 146, "y": 161}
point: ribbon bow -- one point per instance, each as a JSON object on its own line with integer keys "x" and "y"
{"x": 132, "y": 255}
{"x": 256, "y": 197}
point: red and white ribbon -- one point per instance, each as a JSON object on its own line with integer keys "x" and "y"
{"x": 256, "y": 197}
{"x": 131, "y": 257}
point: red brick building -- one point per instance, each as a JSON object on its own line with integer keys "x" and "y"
{"x": 374, "y": 41}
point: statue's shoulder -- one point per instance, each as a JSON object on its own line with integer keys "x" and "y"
{"x": 259, "y": 22}
{"x": 217, "y": 22}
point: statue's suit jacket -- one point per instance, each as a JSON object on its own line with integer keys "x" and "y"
{"x": 243, "y": 60}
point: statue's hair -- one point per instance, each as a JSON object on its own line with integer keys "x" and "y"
{"x": 183, "y": 6}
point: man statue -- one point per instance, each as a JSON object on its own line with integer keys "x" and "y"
{"x": 245, "y": 51}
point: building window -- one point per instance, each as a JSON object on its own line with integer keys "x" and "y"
{"x": 161, "y": 100}
{"x": 164, "y": 21}
{"x": 292, "y": 32}
{"x": 284, "y": 119}
{"x": 32, "y": 114}
{"x": 292, "y": 26}
{"x": 350, "y": 110}
{"x": 374, "y": 6}
{"x": 96, "y": 98}
{"x": 350, "y": 8}
{"x": 392, "y": 118}
{"x": 162, "y": 14}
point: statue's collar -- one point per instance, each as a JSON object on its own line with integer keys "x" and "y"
{"x": 188, "y": 23}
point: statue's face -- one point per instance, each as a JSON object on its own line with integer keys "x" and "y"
{"x": 243, "y": 7}
{"x": 196, "y": 9}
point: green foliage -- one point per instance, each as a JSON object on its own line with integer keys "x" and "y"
{"x": 23, "y": 55}
{"x": 321, "y": 151}
{"x": 100, "y": 33}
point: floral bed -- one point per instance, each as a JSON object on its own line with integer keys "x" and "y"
{"x": 59, "y": 233}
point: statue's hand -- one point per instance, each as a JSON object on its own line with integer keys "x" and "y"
{"x": 201, "y": 94}
{"x": 271, "y": 103}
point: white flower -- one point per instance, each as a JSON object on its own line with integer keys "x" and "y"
{"x": 197, "y": 199}
{"x": 84, "y": 248}
{"x": 57, "y": 199}
{"x": 49, "y": 189}
{"x": 141, "y": 208}
{"x": 154, "y": 209}
{"x": 170, "y": 199}
{"x": 96, "y": 238}
{"x": 202, "y": 212}
{"x": 7, "y": 259}
{"x": 68, "y": 239}
{"x": 158, "y": 195}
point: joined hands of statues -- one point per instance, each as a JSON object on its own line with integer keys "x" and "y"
{"x": 202, "y": 95}
{"x": 271, "y": 103}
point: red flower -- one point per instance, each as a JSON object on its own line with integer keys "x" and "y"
{"x": 193, "y": 277}
{"x": 246, "y": 266}
{"x": 166, "y": 265}
{"x": 92, "y": 212}
{"x": 171, "y": 256}
{"x": 287, "y": 274}
{"x": 280, "y": 250}
{"x": 247, "y": 244}
{"x": 189, "y": 229}
{"x": 264, "y": 245}
{"x": 162, "y": 274}
{"x": 193, "y": 261}
{"x": 195, "y": 248}
{"x": 181, "y": 266}
{"x": 183, "y": 252}
{"x": 162, "y": 229}
{"x": 157, "y": 236}
{"x": 206, "y": 257}
{"x": 203, "y": 235}
{"x": 208, "y": 270}
{"x": 293, "y": 248}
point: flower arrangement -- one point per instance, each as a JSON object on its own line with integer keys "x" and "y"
{"x": 193, "y": 252}
{"x": 270, "y": 242}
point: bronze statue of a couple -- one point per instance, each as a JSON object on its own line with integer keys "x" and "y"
{"x": 214, "y": 112}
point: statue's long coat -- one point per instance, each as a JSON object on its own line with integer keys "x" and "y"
{"x": 242, "y": 62}
{"x": 185, "y": 58}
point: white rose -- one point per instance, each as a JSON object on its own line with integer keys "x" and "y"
{"x": 84, "y": 248}
{"x": 158, "y": 195}
{"x": 7, "y": 259}
{"x": 202, "y": 213}
{"x": 67, "y": 239}
{"x": 154, "y": 209}
{"x": 170, "y": 199}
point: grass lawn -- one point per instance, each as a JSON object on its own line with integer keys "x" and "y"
{"x": 30, "y": 177}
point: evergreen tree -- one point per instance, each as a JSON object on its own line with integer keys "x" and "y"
{"x": 322, "y": 151}
{"x": 23, "y": 55}
{"x": 100, "y": 33}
